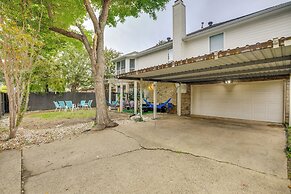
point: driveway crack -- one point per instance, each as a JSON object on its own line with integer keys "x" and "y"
{"x": 197, "y": 156}
{"x": 78, "y": 164}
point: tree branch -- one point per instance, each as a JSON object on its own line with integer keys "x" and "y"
{"x": 92, "y": 15}
{"x": 67, "y": 33}
{"x": 85, "y": 39}
{"x": 104, "y": 13}
{"x": 49, "y": 10}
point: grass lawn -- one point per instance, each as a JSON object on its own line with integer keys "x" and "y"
{"x": 77, "y": 114}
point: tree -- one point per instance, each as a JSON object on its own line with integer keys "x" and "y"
{"x": 68, "y": 69}
{"x": 63, "y": 14}
{"x": 17, "y": 57}
{"x": 110, "y": 54}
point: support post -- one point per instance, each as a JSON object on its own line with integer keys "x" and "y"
{"x": 288, "y": 89}
{"x": 121, "y": 98}
{"x": 155, "y": 99}
{"x": 141, "y": 97}
{"x": 179, "y": 100}
{"x": 116, "y": 91}
{"x": 127, "y": 91}
{"x": 135, "y": 97}
{"x": 110, "y": 93}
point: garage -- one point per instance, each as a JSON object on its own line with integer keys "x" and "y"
{"x": 260, "y": 101}
{"x": 241, "y": 83}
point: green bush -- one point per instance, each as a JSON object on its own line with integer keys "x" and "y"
{"x": 288, "y": 147}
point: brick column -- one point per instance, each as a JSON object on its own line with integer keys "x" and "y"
{"x": 186, "y": 101}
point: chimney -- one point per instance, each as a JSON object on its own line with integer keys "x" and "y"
{"x": 179, "y": 29}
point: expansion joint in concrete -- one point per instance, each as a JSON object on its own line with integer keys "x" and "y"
{"x": 197, "y": 156}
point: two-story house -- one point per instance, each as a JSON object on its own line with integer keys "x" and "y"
{"x": 239, "y": 68}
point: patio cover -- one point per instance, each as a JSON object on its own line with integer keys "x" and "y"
{"x": 265, "y": 60}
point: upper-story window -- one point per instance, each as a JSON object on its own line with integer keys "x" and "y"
{"x": 131, "y": 64}
{"x": 118, "y": 68}
{"x": 216, "y": 42}
{"x": 170, "y": 55}
{"x": 122, "y": 68}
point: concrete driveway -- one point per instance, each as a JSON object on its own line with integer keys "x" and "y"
{"x": 170, "y": 155}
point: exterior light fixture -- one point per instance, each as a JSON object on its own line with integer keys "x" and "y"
{"x": 227, "y": 81}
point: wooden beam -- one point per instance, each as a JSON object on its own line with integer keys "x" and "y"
{"x": 227, "y": 66}
{"x": 247, "y": 76}
{"x": 238, "y": 72}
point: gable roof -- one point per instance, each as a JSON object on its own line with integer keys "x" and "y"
{"x": 158, "y": 47}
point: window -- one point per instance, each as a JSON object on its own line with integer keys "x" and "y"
{"x": 170, "y": 55}
{"x": 118, "y": 68}
{"x": 122, "y": 68}
{"x": 132, "y": 65}
{"x": 216, "y": 42}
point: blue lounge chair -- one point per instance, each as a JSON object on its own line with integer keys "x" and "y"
{"x": 70, "y": 105}
{"x": 57, "y": 106}
{"x": 160, "y": 106}
{"x": 113, "y": 103}
{"x": 89, "y": 104}
{"x": 83, "y": 104}
{"x": 62, "y": 105}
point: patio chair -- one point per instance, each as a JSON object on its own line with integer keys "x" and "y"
{"x": 70, "y": 105}
{"x": 89, "y": 104}
{"x": 57, "y": 106}
{"x": 62, "y": 105}
{"x": 113, "y": 105}
{"x": 83, "y": 104}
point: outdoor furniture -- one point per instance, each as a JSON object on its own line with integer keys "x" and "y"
{"x": 83, "y": 104}
{"x": 62, "y": 105}
{"x": 113, "y": 105}
{"x": 70, "y": 105}
{"x": 89, "y": 104}
{"x": 57, "y": 105}
{"x": 160, "y": 106}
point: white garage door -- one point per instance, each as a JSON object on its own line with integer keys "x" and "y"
{"x": 261, "y": 101}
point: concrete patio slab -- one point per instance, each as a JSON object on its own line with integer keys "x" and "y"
{"x": 256, "y": 145}
{"x": 78, "y": 150}
{"x": 10, "y": 172}
{"x": 170, "y": 155}
{"x": 146, "y": 171}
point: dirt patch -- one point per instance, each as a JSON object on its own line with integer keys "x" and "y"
{"x": 36, "y": 130}
{"x": 36, "y": 123}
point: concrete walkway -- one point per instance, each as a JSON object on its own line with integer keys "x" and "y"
{"x": 10, "y": 172}
{"x": 170, "y": 155}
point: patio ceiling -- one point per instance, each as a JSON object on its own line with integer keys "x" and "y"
{"x": 262, "y": 60}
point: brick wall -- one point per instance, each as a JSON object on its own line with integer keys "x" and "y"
{"x": 286, "y": 99}
{"x": 186, "y": 101}
{"x": 164, "y": 92}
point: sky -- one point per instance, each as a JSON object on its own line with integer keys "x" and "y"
{"x": 137, "y": 34}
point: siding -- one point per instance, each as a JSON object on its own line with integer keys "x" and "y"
{"x": 259, "y": 30}
{"x": 152, "y": 59}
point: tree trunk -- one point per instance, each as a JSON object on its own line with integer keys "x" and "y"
{"x": 102, "y": 119}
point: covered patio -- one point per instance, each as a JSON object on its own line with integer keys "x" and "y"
{"x": 270, "y": 60}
